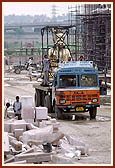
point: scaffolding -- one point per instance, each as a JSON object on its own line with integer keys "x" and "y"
{"x": 91, "y": 36}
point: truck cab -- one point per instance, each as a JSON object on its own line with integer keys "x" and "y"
{"x": 75, "y": 88}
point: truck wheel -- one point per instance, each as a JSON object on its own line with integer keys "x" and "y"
{"x": 17, "y": 71}
{"x": 58, "y": 113}
{"x": 47, "y": 103}
{"x": 93, "y": 112}
{"x": 37, "y": 98}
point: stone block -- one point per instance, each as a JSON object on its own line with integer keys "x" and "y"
{"x": 53, "y": 120}
{"x": 18, "y": 124}
{"x": 6, "y": 143}
{"x": 39, "y": 134}
{"x": 27, "y": 107}
{"x": 29, "y": 120}
{"x": 27, "y": 102}
{"x": 18, "y": 132}
{"x": 28, "y": 113}
{"x": 41, "y": 113}
{"x": 7, "y": 127}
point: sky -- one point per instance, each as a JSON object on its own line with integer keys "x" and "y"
{"x": 35, "y": 8}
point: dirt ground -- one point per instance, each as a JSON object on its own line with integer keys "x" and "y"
{"x": 95, "y": 133}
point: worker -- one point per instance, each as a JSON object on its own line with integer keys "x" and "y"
{"x": 46, "y": 70}
{"x": 17, "y": 106}
{"x": 30, "y": 68}
{"x": 81, "y": 58}
{"x": 5, "y": 111}
{"x": 69, "y": 58}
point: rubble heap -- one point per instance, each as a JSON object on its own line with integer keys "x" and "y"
{"x": 39, "y": 140}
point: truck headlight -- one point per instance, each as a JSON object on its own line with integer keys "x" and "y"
{"x": 62, "y": 101}
{"x": 94, "y": 100}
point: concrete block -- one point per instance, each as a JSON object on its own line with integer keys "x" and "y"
{"x": 41, "y": 113}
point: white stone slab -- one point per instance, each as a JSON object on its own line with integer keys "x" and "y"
{"x": 41, "y": 113}
{"x": 27, "y": 101}
{"x": 40, "y": 134}
{"x": 6, "y": 143}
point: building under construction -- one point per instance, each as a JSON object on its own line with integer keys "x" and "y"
{"x": 91, "y": 34}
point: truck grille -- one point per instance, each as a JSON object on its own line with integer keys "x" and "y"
{"x": 79, "y": 99}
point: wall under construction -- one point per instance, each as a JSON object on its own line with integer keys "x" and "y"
{"x": 91, "y": 36}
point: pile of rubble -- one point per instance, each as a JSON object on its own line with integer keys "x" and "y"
{"x": 37, "y": 139}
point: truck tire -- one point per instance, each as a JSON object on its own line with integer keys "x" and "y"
{"x": 37, "y": 98}
{"x": 93, "y": 112}
{"x": 58, "y": 112}
{"x": 17, "y": 71}
{"x": 47, "y": 103}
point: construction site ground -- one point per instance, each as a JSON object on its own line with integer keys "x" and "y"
{"x": 95, "y": 133}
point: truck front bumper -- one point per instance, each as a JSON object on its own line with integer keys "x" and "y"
{"x": 84, "y": 108}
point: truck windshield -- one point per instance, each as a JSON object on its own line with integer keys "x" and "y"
{"x": 88, "y": 80}
{"x": 67, "y": 80}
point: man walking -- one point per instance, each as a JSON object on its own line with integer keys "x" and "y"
{"x": 17, "y": 106}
